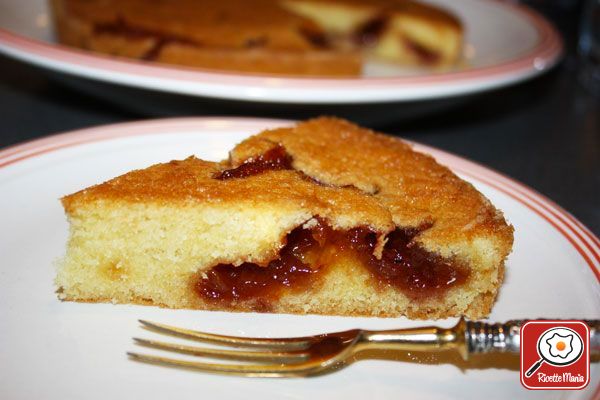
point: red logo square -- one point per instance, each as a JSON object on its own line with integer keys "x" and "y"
{"x": 554, "y": 355}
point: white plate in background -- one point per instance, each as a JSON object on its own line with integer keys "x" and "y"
{"x": 505, "y": 43}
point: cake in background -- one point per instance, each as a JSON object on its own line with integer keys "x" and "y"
{"x": 292, "y": 37}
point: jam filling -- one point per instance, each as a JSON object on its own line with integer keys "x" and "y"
{"x": 274, "y": 159}
{"x": 365, "y": 35}
{"x": 425, "y": 55}
{"x": 226, "y": 283}
{"x": 161, "y": 39}
{"x": 120, "y": 27}
{"x": 256, "y": 42}
{"x": 368, "y": 33}
{"x": 315, "y": 37}
{"x": 404, "y": 265}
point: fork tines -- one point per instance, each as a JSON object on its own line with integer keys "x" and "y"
{"x": 270, "y": 357}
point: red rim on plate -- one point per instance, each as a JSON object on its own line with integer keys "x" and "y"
{"x": 545, "y": 54}
{"x": 580, "y": 237}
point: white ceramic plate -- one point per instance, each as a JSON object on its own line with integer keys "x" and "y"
{"x": 505, "y": 44}
{"x": 51, "y": 349}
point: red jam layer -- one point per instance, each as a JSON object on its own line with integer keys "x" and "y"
{"x": 404, "y": 265}
{"x": 316, "y": 37}
{"x": 226, "y": 283}
{"x": 368, "y": 33}
{"x": 274, "y": 159}
{"x": 407, "y": 266}
{"x": 122, "y": 28}
{"x": 426, "y": 56}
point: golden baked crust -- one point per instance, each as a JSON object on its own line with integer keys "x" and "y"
{"x": 285, "y": 37}
{"x": 150, "y": 235}
{"x": 192, "y": 181}
{"x": 411, "y": 185}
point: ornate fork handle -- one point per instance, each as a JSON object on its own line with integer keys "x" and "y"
{"x": 483, "y": 337}
{"x": 466, "y": 337}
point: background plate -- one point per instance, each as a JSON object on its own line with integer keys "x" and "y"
{"x": 504, "y": 44}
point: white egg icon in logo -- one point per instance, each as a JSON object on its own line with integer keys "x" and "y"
{"x": 560, "y": 346}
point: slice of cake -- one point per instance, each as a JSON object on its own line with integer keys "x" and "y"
{"x": 296, "y": 37}
{"x": 323, "y": 217}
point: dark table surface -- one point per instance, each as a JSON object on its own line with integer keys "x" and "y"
{"x": 544, "y": 133}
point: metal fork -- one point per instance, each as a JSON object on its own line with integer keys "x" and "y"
{"x": 319, "y": 354}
